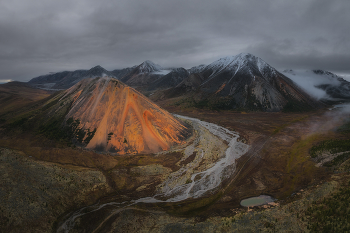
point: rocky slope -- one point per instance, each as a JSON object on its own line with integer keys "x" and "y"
{"x": 109, "y": 116}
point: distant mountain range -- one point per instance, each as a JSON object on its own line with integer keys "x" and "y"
{"x": 137, "y": 76}
{"x": 66, "y": 79}
{"x": 243, "y": 81}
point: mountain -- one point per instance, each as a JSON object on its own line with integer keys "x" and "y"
{"x": 144, "y": 74}
{"x": 148, "y": 67}
{"x": 321, "y": 84}
{"x": 66, "y": 79}
{"x": 243, "y": 81}
{"x": 176, "y": 76}
{"x": 107, "y": 115}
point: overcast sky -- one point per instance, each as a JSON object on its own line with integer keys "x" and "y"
{"x": 38, "y": 37}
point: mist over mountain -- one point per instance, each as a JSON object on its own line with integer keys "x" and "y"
{"x": 321, "y": 84}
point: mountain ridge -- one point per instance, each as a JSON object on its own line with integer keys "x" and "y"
{"x": 66, "y": 79}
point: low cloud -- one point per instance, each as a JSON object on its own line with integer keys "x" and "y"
{"x": 334, "y": 118}
{"x": 308, "y": 80}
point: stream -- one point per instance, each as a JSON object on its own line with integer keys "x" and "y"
{"x": 201, "y": 183}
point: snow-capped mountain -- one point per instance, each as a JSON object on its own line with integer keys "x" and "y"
{"x": 66, "y": 79}
{"x": 321, "y": 84}
{"x": 244, "y": 81}
{"x": 149, "y": 67}
{"x": 243, "y": 63}
{"x": 144, "y": 74}
{"x": 196, "y": 69}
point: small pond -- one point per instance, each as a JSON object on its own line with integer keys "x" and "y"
{"x": 256, "y": 201}
{"x": 343, "y": 106}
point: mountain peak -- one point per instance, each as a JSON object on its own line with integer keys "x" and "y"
{"x": 148, "y": 67}
{"x": 97, "y": 71}
{"x": 97, "y": 68}
{"x": 237, "y": 62}
{"x": 124, "y": 122}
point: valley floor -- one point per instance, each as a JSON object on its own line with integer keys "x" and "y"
{"x": 44, "y": 182}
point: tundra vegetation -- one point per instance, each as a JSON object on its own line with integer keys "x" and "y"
{"x": 46, "y": 174}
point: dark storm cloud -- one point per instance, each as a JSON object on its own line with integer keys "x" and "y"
{"x": 38, "y": 37}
